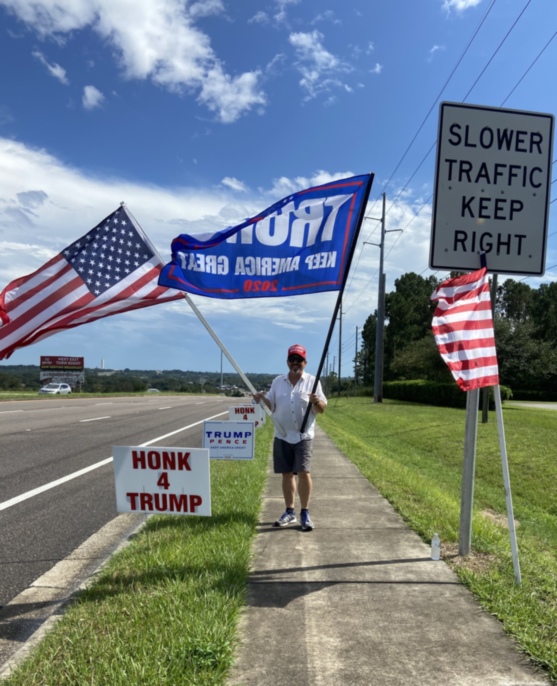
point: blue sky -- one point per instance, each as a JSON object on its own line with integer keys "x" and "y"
{"x": 198, "y": 114}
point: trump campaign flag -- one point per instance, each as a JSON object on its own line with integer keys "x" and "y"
{"x": 463, "y": 330}
{"x": 301, "y": 244}
{"x": 112, "y": 269}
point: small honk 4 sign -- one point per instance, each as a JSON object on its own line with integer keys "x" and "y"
{"x": 162, "y": 480}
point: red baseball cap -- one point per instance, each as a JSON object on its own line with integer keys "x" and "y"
{"x": 297, "y": 349}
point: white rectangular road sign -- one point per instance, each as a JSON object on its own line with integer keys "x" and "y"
{"x": 229, "y": 440}
{"x": 492, "y": 188}
{"x": 251, "y": 412}
{"x": 162, "y": 480}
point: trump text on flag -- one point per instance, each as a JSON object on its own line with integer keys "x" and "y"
{"x": 162, "y": 480}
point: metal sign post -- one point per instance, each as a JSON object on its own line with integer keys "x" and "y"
{"x": 468, "y": 469}
{"x": 507, "y": 482}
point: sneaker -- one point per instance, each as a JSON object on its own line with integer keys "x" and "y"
{"x": 286, "y": 519}
{"x": 307, "y": 524}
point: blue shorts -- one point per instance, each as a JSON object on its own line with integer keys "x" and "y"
{"x": 292, "y": 457}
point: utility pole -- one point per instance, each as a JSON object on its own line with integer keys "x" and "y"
{"x": 379, "y": 333}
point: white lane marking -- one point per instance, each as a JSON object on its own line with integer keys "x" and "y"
{"x": 10, "y": 411}
{"x": 168, "y": 407}
{"x": 41, "y": 489}
{"x": 93, "y": 419}
{"x": 203, "y": 403}
{"x": 99, "y": 404}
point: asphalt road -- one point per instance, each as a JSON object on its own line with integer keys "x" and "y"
{"x": 43, "y": 441}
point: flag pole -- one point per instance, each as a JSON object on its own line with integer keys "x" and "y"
{"x": 339, "y": 299}
{"x": 507, "y": 482}
{"x": 210, "y": 330}
{"x": 503, "y": 449}
{"x": 232, "y": 361}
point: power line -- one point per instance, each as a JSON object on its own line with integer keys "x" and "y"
{"x": 530, "y": 67}
{"x": 440, "y": 93}
{"x": 434, "y": 144}
{"x": 497, "y": 50}
{"x": 432, "y": 106}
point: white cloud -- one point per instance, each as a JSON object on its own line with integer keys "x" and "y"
{"x": 327, "y": 15}
{"x": 459, "y": 5}
{"x": 377, "y": 69}
{"x": 54, "y": 69}
{"x": 280, "y": 16}
{"x": 433, "y": 50}
{"x": 205, "y": 8}
{"x": 160, "y": 43}
{"x": 230, "y": 97}
{"x": 92, "y": 98}
{"x": 284, "y": 186}
{"x": 46, "y": 205}
{"x": 316, "y": 64}
{"x": 259, "y": 18}
{"x": 234, "y": 184}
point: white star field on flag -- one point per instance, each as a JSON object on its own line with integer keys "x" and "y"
{"x": 108, "y": 253}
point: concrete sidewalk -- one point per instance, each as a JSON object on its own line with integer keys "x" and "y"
{"x": 358, "y": 601}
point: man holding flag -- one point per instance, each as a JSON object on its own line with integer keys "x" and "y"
{"x": 288, "y": 399}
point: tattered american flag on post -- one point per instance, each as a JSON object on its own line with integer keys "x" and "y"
{"x": 112, "y": 269}
{"x": 463, "y": 330}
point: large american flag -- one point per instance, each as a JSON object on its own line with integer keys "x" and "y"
{"x": 112, "y": 269}
{"x": 463, "y": 330}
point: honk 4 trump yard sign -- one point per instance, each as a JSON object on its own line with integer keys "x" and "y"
{"x": 248, "y": 413}
{"x": 162, "y": 480}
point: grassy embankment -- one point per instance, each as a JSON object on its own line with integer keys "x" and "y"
{"x": 164, "y": 611}
{"x": 413, "y": 454}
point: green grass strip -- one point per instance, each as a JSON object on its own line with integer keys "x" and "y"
{"x": 164, "y": 611}
{"x": 413, "y": 454}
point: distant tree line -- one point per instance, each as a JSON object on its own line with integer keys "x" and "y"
{"x": 27, "y": 377}
{"x": 525, "y": 322}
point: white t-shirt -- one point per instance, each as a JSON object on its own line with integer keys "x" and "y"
{"x": 289, "y": 404}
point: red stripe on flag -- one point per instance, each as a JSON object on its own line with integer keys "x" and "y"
{"x": 55, "y": 297}
{"x": 459, "y": 303}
